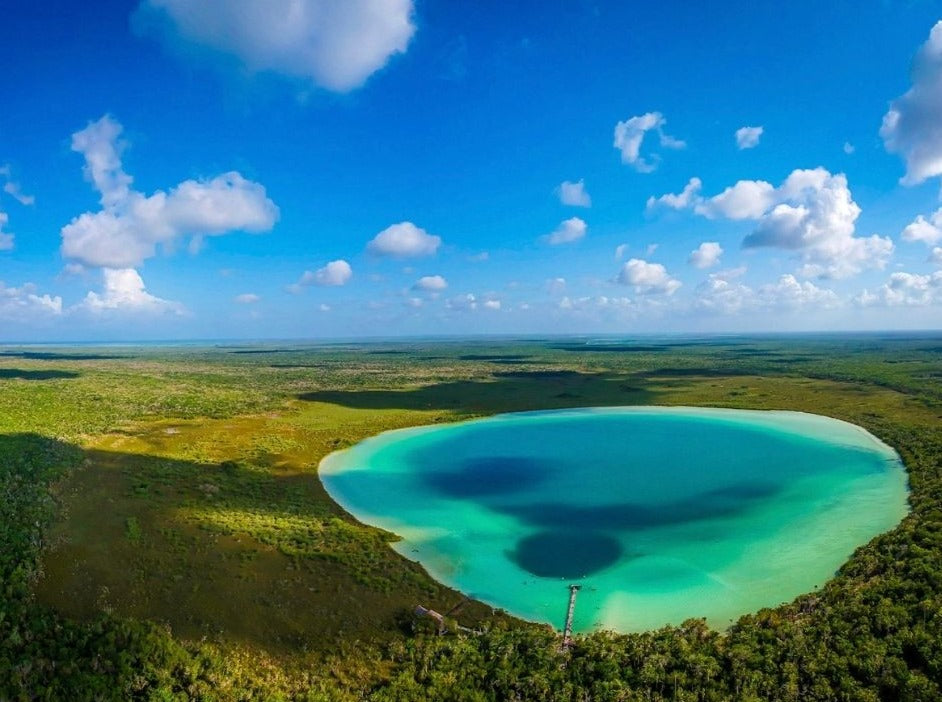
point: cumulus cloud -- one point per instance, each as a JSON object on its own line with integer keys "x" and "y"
{"x": 334, "y": 274}
{"x": 815, "y": 215}
{"x": 748, "y": 137}
{"x": 24, "y": 303}
{"x": 747, "y": 199}
{"x": 620, "y": 251}
{"x": 130, "y": 225}
{"x": 812, "y": 213}
{"x": 911, "y": 127}
{"x": 647, "y": 277}
{"x": 246, "y": 298}
{"x": 905, "y": 290}
{"x": 849, "y": 148}
{"x": 404, "y": 240}
{"x": 574, "y": 194}
{"x": 629, "y": 136}
{"x": 706, "y": 255}
{"x": 788, "y": 291}
{"x": 928, "y": 231}
{"x": 680, "y": 201}
{"x": 430, "y": 283}
{"x": 492, "y": 304}
{"x": 336, "y": 45}
{"x": 936, "y": 256}
{"x": 722, "y": 293}
{"x": 124, "y": 291}
{"x": 568, "y": 231}
{"x": 101, "y": 145}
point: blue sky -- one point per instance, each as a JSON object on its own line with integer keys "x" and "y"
{"x": 312, "y": 168}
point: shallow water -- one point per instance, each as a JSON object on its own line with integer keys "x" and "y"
{"x": 661, "y": 514}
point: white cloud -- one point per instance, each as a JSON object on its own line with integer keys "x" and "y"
{"x": 462, "y": 303}
{"x": 99, "y": 143}
{"x": 24, "y": 304}
{"x": 601, "y": 305}
{"x": 574, "y": 194}
{"x": 815, "y": 215}
{"x": 849, "y": 148}
{"x": 936, "y": 256}
{"x": 430, "y": 283}
{"x": 788, "y": 292}
{"x": 70, "y": 270}
{"x": 630, "y": 134}
{"x": 130, "y": 225}
{"x": 905, "y": 290}
{"x": 706, "y": 255}
{"x": 246, "y": 298}
{"x": 13, "y": 189}
{"x": 492, "y": 304}
{"x": 336, "y": 45}
{"x": 911, "y": 126}
{"x": 722, "y": 293}
{"x": 682, "y": 200}
{"x": 620, "y": 251}
{"x": 16, "y": 192}
{"x": 572, "y": 229}
{"x": 324, "y": 307}
{"x": 812, "y": 213}
{"x": 747, "y": 199}
{"x": 6, "y": 238}
{"x": 556, "y": 286}
{"x": 334, "y": 274}
{"x": 479, "y": 257}
{"x": 647, "y": 277}
{"x": 124, "y": 292}
{"x": 404, "y": 240}
{"x": 927, "y": 231}
{"x": 748, "y": 137}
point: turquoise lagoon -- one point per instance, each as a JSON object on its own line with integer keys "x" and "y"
{"x": 661, "y": 514}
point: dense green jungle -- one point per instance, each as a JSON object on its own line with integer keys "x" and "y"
{"x": 164, "y": 534}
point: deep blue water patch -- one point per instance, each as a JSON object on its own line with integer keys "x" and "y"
{"x": 566, "y": 554}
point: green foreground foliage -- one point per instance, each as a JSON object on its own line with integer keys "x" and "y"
{"x": 163, "y": 534}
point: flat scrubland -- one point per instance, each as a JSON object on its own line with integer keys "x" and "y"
{"x": 164, "y": 535}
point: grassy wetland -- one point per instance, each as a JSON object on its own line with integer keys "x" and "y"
{"x": 165, "y": 536}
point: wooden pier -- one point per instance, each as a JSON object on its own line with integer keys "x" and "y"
{"x": 567, "y": 631}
